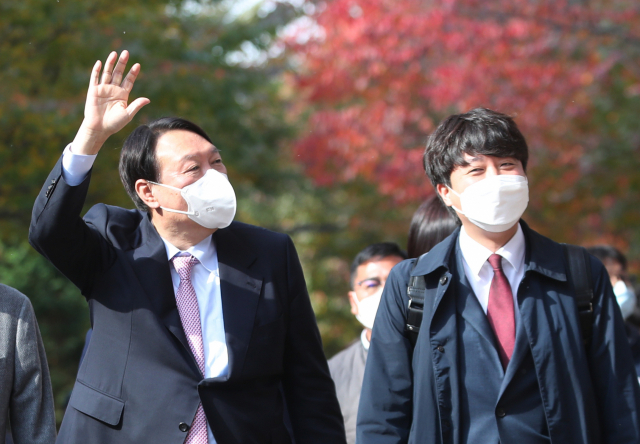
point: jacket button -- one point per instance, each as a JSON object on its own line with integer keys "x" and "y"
{"x": 443, "y": 280}
{"x": 500, "y": 413}
{"x": 440, "y": 348}
{"x": 184, "y": 427}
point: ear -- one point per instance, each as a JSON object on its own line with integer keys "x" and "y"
{"x": 443, "y": 191}
{"x": 353, "y": 300}
{"x": 144, "y": 191}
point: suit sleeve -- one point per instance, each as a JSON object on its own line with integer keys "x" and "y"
{"x": 611, "y": 365}
{"x": 31, "y": 411}
{"x": 386, "y": 400}
{"x": 59, "y": 233}
{"x": 308, "y": 387}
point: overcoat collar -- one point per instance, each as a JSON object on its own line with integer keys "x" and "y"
{"x": 542, "y": 255}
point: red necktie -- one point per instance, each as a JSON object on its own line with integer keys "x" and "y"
{"x": 187, "y": 302}
{"x": 500, "y": 311}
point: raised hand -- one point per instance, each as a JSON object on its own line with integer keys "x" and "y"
{"x": 107, "y": 110}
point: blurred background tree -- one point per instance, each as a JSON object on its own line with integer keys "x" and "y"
{"x": 321, "y": 110}
{"x": 378, "y": 75}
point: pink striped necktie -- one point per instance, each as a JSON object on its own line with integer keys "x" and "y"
{"x": 500, "y": 311}
{"x": 187, "y": 302}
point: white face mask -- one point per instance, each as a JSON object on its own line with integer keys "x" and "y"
{"x": 211, "y": 200}
{"x": 626, "y": 298}
{"x": 368, "y": 307}
{"x": 496, "y": 203}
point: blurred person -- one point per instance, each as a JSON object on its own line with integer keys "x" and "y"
{"x": 430, "y": 225}
{"x": 202, "y": 328}
{"x": 26, "y": 399}
{"x": 616, "y": 264}
{"x": 500, "y": 356}
{"x": 369, "y": 272}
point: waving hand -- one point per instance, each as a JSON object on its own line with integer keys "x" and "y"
{"x": 107, "y": 110}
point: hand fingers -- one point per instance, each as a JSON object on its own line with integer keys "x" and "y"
{"x": 95, "y": 74}
{"x": 119, "y": 69}
{"x": 108, "y": 67}
{"x": 128, "y": 82}
{"x": 136, "y": 106}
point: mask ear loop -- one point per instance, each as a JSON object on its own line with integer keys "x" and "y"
{"x": 188, "y": 213}
{"x": 452, "y": 205}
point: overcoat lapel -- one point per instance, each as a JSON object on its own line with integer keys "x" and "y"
{"x": 240, "y": 289}
{"x": 150, "y": 264}
{"x": 469, "y": 307}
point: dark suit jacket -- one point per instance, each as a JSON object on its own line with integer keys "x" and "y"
{"x": 138, "y": 381}
{"x": 414, "y": 396}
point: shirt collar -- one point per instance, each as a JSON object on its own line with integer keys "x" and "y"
{"x": 364, "y": 340}
{"x": 204, "y": 251}
{"x": 476, "y": 255}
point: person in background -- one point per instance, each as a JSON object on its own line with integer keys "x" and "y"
{"x": 26, "y": 399}
{"x": 616, "y": 264}
{"x": 430, "y": 225}
{"x": 369, "y": 273}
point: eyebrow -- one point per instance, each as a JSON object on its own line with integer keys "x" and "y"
{"x": 195, "y": 156}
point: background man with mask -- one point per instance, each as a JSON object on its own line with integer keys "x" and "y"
{"x": 202, "y": 327}
{"x": 616, "y": 264}
{"x": 500, "y": 356}
{"x": 369, "y": 272}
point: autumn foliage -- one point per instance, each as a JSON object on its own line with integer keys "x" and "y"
{"x": 385, "y": 72}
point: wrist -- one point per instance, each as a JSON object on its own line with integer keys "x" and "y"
{"x": 88, "y": 141}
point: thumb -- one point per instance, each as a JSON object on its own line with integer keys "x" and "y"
{"x": 136, "y": 106}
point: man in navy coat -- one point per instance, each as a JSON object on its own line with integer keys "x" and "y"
{"x": 203, "y": 330}
{"x": 500, "y": 356}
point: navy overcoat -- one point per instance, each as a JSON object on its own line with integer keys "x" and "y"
{"x": 412, "y": 396}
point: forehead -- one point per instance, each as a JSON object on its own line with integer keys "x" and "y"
{"x": 378, "y": 267}
{"x": 181, "y": 145}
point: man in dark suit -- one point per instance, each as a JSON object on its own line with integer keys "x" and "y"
{"x": 203, "y": 330}
{"x": 500, "y": 356}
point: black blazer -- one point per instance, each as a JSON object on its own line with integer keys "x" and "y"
{"x": 139, "y": 382}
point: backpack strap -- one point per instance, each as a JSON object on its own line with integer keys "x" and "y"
{"x": 580, "y": 274}
{"x": 416, "y": 292}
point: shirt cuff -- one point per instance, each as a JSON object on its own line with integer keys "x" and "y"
{"x": 75, "y": 167}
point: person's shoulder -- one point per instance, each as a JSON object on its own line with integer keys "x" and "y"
{"x": 344, "y": 358}
{"x": 116, "y": 224}
{"x": 12, "y": 301}
{"x": 11, "y": 294}
{"x": 256, "y": 235}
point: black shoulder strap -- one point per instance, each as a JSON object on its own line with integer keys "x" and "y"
{"x": 580, "y": 272}
{"x": 416, "y": 292}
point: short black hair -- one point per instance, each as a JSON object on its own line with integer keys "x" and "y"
{"x": 479, "y": 131}
{"x": 138, "y": 155}
{"x": 431, "y": 224}
{"x": 380, "y": 250}
{"x": 603, "y": 252}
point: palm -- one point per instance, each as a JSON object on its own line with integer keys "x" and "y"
{"x": 107, "y": 109}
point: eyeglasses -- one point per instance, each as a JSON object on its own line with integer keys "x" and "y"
{"x": 370, "y": 286}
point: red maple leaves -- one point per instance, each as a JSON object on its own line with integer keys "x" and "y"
{"x": 387, "y": 71}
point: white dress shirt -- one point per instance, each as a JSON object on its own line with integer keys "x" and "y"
{"x": 480, "y": 273}
{"x": 205, "y": 278}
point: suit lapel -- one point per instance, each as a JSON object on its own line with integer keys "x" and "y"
{"x": 519, "y": 352}
{"x": 149, "y": 263}
{"x": 240, "y": 290}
